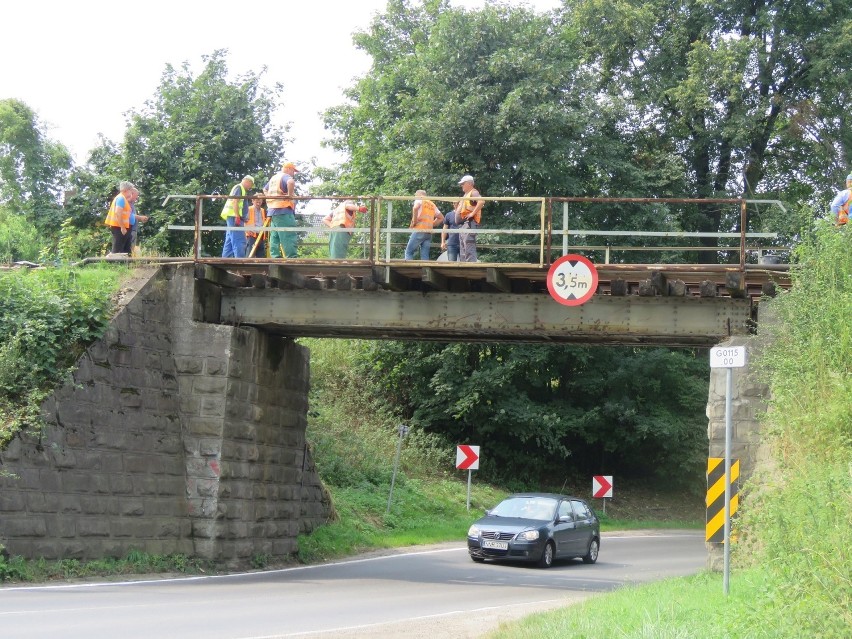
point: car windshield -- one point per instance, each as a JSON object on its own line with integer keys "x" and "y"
{"x": 542, "y": 508}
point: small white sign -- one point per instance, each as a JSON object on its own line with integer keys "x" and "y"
{"x": 727, "y": 356}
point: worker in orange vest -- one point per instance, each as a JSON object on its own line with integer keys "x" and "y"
{"x": 424, "y": 217}
{"x": 342, "y": 217}
{"x": 256, "y": 217}
{"x": 469, "y": 210}
{"x": 840, "y": 204}
{"x": 118, "y": 219}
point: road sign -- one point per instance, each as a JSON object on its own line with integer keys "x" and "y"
{"x": 602, "y": 486}
{"x": 727, "y": 356}
{"x": 572, "y": 280}
{"x": 714, "y": 530}
{"x": 467, "y": 457}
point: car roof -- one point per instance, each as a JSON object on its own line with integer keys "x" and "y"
{"x": 553, "y": 495}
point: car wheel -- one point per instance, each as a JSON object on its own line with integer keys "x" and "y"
{"x": 546, "y": 560}
{"x": 478, "y": 560}
{"x": 592, "y": 555}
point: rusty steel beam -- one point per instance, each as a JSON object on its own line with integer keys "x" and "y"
{"x": 382, "y": 314}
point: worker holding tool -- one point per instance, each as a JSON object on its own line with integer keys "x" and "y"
{"x": 282, "y": 212}
{"x": 342, "y": 217}
{"x": 256, "y": 217}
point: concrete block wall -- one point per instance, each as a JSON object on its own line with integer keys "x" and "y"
{"x": 173, "y": 436}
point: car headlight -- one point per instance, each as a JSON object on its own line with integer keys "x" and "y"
{"x": 528, "y": 535}
{"x": 473, "y": 531}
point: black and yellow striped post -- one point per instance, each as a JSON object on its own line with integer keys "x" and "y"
{"x": 714, "y": 531}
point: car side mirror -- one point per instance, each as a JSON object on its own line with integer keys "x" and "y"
{"x": 566, "y": 518}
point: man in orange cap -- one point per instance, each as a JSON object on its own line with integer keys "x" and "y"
{"x": 282, "y": 212}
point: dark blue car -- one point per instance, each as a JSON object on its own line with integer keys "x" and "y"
{"x": 536, "y": 527}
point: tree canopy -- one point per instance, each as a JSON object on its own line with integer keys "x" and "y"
{"x": 198, "y": 134}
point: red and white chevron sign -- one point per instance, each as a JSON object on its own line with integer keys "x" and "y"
{"x": 467, "y": 457}
{"x": 602, "y": 486}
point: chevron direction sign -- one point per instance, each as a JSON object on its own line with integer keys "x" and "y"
{"x": 467, "y": 457}
{"x": 602, "y": 486}
{"x": 715, "y": 530}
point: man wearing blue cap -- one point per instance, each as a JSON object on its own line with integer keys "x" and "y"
{"x": 840, "y": 204}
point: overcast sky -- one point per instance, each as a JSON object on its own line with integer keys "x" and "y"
{"x": 82, "y": 65}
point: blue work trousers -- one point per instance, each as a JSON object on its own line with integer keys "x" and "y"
{"x": 235, "y": 241}
{"x": 418, "y": 239}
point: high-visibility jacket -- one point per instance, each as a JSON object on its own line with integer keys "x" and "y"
{"x": 343, "y": 215}
{"x": 467, "y": 206}
{"x": 275, "y": 189}
{"x": 119, "y": 215}
{"x": 256, "y": 217}
{"x": 843, "y": 212}
{"x": 426, "y": 218}
{"x": 234, "y": 207}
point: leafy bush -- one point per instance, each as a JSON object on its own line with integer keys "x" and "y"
{"x": 47, "y": 318}
{"x": 19, "y": 240}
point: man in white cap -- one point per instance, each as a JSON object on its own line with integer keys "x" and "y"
{"x": 235, "y": 213}
{"x": 468, "y": 215}
{"x": 840, "y": 204}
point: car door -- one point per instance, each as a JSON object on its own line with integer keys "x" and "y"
{"x": 564, "y": 530}
{"x": 585, "y": 526}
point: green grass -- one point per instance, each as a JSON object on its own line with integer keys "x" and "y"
{"x": 684, "y": 608}
{"x": 17, "y": 569}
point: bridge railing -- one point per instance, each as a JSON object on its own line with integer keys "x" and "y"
{"x": 559, "y": 225}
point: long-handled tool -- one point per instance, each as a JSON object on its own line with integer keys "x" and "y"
{"x": 259, "y": 237}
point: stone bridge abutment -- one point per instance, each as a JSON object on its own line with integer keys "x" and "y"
{"x": 172, "y": 436}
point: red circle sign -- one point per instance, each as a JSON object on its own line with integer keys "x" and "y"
{"x": 572, "y": 280}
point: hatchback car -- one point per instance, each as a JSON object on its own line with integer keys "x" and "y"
{"x": 536, "y": 527}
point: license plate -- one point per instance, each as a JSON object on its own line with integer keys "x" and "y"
{"x": 496, "y": 545}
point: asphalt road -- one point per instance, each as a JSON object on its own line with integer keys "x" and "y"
{"x": 435, "y": 593}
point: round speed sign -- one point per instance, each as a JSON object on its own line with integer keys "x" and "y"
{"x": 572, "y": 280}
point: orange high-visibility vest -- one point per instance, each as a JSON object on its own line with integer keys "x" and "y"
{"x": 275, "y": 189}
{"x": 343, "y": 215}
{"x": 467, "y": 206}
{"x": 426, "y": 218}
{"x": 256, "y": 217}
{"x": 843, "y": 213}
{"x": 118, "y": 216}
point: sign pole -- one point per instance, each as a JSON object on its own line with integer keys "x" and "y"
{"x": 727, "y": 357}
{"x": 728, "y": 392}
{"x": 469, "y": 475}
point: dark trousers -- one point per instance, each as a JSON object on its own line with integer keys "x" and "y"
{"x": 120, "y": 243}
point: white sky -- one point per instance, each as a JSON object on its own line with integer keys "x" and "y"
{"x": 66, "y": 59}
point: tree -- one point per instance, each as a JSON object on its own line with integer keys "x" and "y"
{"x": 33, "y": 168}
{"x": 553, "y": 411}
{"x": 197, "y": 135}
{"x": 500, "y": 93}
{"x": 752, "y": 94}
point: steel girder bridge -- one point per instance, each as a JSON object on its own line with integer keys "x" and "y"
{"x": 378, "y": 295}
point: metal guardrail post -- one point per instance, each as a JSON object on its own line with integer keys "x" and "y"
{"x": 388, "y": 238}
{"x": 564, "y": 228}
{"x": 199, "y": 216}
{"x": 742, "y": 234}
